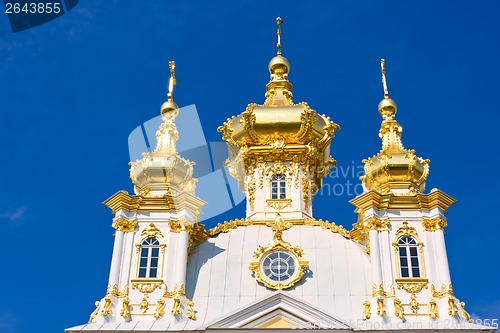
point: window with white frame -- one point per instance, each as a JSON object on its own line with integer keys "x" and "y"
{"x": 278, "y": 187}
{"x": 149, "y": 257}
{"x": 408, "y": 257}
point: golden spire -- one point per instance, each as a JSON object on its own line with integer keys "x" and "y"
{"x": 384, "y": 82}
{"x": 394, "y": 169}
{"x": 279, "y": 21}
{"x": 172, "y": 81}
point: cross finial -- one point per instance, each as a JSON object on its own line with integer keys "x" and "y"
{"x": 279, "y": 21}
{"x": 172, "y": 81}
{"x": 384, "y": 82}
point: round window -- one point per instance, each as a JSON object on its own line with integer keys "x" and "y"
{"x": 279, "y": 266}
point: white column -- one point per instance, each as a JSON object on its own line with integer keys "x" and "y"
{"x": 375, "y": 257}
{"x": 116, "y": 260}
{"x": 386, "y": 259}
{"x": 441, "y": 257}
{"x": 181, "y": 257}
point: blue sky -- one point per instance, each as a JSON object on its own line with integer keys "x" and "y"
{"x": 73, "y": 89}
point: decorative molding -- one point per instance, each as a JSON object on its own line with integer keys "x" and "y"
{"x": 113, "y": 291}
{"x": 95, "y": 312}
{"x": 437, "y": 223}
{"x": 125, "y": 311}
{"x": 251, "y": 192}
{"x": 376, "y": 223}
{"x": 380, "y": 307}
{"x": 228, "y": 225}
{"x": 144, "y": 305}
{"x": 465, "y": 314}
{"x": 380, "y": 292}
{"x": 338, "y": 229}
{"x": 366, "y": 310}
{"x": 305, "y": 191}
{"x": 414, "y": 304}
{"x": 433, "y": 310}
{"x": 160, "y": 308}
{"x": 412, "y": 285}
{"x": 398, "y": 309}
{"x": 452, "y": 308}
{"x": 177, "y": 292}
{"x": 191, "y": 314}
{"x": 146, "y": 286}
{"x": 444, "y": 292}
{"x": 279, "y": 204}
{"x": 106, "y": 309}
{"x": 176, "y": 308}
{"x": 124, "y": 225}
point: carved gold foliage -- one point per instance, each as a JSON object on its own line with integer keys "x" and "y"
{"x": 412, "y": 285}
{"x": 452, "y": 309}
{"x": 144, "y": 305}
{"x": 121, "y": 224}
{"x": 177, "y": 292}
{"x": 380, "y": 307}
{"x": 251, "y": 192}
{"x": 398, "y": 308}
{"x": 380, "y": 292}
{"x": 464, "y": 312}
{"x": 95, "y": 312}
{"x": 445, "y": 291}
{"x": 113, "y": 291}
{"x": 228, "y": 225}
{"x": 278, "y": 168}
{"x": 295, "y": 170}
{"x": 279, "y": 204}
{"x": 146, "y": 286}
{"x": 366, "y": 310}
{"x": 305, "y": 190}
{"x": 125, "y": 311}
{"x": 106, "y": 309}
{"x": 414, "y": 305}
{"x": 190, "y": 310}
{"x": 338, "y": 229}
{"x": 160, "y": 308}
{"x": 151, "y": 231}
{"x": 434, "y": 224}
{"x": 176, "y": 308}
{"x": 406, "y": 230}
{"x": 433, "y": 310}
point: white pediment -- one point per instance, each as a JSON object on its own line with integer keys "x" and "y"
{"x": 279, "y": 311}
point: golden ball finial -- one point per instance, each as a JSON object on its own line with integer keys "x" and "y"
{"x": 169, "y": 110}
{"x": 279, "y": 66}
{"x": 387, "y": 108}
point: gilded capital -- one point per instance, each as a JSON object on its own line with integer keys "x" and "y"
{"x": 434, "y": 224}
{"x": 121, "y": 224}
{"x": 375, "y": 223}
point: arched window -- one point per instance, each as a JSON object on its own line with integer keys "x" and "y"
{"x": 408, "y": 257}
{"x": 278, "y": 187}
{"x": 149, "y": 257}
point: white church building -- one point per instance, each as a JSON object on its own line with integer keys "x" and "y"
{"x": 279, "y": 268}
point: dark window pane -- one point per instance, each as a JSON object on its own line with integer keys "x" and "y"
{"x": 282, "y": 196}
{"x": 412, "y": 241}
{"x": 413, "y": 251}
{"x": 404, "y": 272}
{"x": 404, "y": 262}
{"x": 155, "y": 251}
{"x": 154, "y": 262}
{"x": 144, "y": 262}
{"x": 415, "y": 272}
{"x": 142, "y": 272}
{"x": 144, "y": 252}
{"x": 414, "y": 262}
{"x": 402, "y": 251}
{"x": 155, "y": 241}
{"x": 152, "y": 273}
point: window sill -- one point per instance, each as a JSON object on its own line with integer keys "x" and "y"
{"x": 146, "y": 285}
{"x": 412, "y": 285}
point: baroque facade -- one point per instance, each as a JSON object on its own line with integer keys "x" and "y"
{"x": 279, "y": 267}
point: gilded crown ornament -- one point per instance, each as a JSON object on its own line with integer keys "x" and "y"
{"x": 394, "y": 169}
{"x": 163, "y": 171}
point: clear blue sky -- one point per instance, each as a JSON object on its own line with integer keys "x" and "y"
{"x": 73, "y": 89}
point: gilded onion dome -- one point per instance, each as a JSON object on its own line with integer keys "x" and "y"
{"x": 394, "y": 169}
{"x": 279, "y": 129}
{"x": 163, "y": 171}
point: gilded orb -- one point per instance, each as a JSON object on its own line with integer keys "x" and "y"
{"x": 169, "y": 109}
{"x": 279, "y": 65}
{"x": 387, "y": 108}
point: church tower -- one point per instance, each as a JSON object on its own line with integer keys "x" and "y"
{"x": 402, "y": 229}
{"x": 279, "y": 151}
{"x": 155, "y": 229}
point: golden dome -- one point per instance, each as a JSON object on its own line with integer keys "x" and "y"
{"x": 394, "y": 169}
{"x": 163, "y": 171}
{"x": 279, "y": 128}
